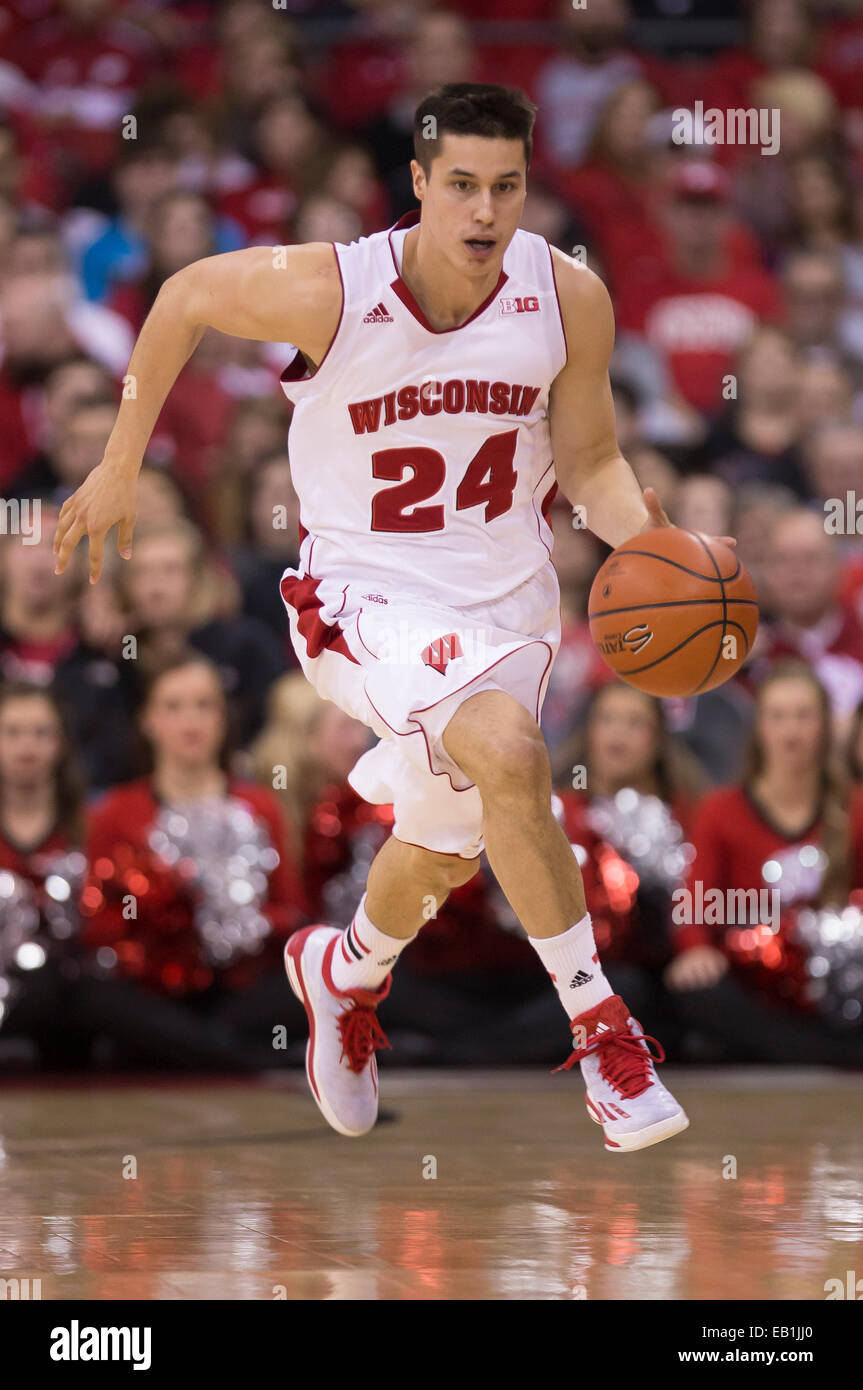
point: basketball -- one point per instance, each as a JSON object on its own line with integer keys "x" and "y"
{"x": 673, "y": 613}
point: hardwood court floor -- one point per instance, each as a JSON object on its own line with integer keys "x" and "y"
{"x": 242, "y": 1192}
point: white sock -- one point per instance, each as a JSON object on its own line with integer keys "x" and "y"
{"x": 364, "y": 956}
{"x": 573, "y": 964}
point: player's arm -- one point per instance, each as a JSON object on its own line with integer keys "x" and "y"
{"x": 591, "y": 471}
{"x": 271, "y": 294}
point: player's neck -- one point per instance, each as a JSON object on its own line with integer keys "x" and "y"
{"x": 446, "y": 298}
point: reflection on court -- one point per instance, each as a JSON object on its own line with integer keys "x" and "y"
{"x": 243, "y": 1193}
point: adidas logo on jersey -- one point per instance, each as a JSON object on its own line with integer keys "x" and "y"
{"x": 580, "y": 977}
{"x": 378, "y": 315}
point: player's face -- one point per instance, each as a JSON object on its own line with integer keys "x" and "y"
{"x": 472, "y": 199}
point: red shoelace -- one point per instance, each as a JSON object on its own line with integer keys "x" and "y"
{"x": 623, "y": 1062}
{"x": 361, "y": 1035}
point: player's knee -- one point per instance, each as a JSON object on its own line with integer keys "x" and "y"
{"x": 459, "y": 871}
{"x": 515, "y": 766}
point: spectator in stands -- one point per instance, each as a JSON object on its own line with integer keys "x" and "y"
{"x": 591, "y": 63}
{"x": 270, "y": 545}
{"x": 119, "y": 253}
{"x": 801, "y": 578}
{"x": 820, "y": 204}
{"x": 613, "y": 189}
{"x": 289, "y": 152}
{"x": 350, "y": 178}
{"x": 742, "y": 984}
{"x": 757, "y": 508}
{"x": 699, "y": 308}
{"x": 816, "y": 312}
{"x": 180, "y": 229}
{"x": 703, "y": 503}
{"x": 825, "y": 390}
{"x": 321, "y": 217}
{"x": 177, "y": 963}
{"x": 97, "y": 683}
{"x": 833, "y": 463}
{"x": 438, "y": 50}
{"x": 78, "y": 448}
{"x": 257, "y": 431}
{"x": 42, "y": 832}
{"x": 171, "y": 597}
{"x": 756, "y": 439}
{"x": 37, "y": 609}
{"x": 71, "y": 382}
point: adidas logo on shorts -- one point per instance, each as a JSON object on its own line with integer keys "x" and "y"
{"x": 378, "y": 315}
{"x": 581, "y": 977}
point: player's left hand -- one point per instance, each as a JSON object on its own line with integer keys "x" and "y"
{"x": 657, "y": 516}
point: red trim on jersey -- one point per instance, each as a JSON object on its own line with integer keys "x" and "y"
{"x": 398, "y": 286}
{"x": 291, "y": 372}
{"x": 557, "y": 297}
{"x": 302, "y": 596}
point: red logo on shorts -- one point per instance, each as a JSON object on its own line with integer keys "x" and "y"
{"x": 442, "y": 650}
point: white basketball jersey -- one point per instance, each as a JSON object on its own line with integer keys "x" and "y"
{"x": 422, "y": 458}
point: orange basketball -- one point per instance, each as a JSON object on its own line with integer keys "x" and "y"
{"x": 672, "y": 613}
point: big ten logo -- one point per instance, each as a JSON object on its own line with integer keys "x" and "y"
{"x": 527, "y": 305}
{"x": 20, "y": 1290}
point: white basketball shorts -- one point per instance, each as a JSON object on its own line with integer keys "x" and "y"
{"x": 402, "y": 665}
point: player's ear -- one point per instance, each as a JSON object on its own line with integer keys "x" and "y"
{"x": 419, "y": 179}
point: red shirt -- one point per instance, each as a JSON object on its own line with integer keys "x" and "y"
{"x": 699, "y": 326}
{"x": 160, "y": 947}
{"x": 733, "y": 841}
{"x": 620, "y": 217}
{"x": 35, "y": 863}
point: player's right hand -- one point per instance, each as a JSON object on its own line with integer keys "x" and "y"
{"x": 698, "y": 968}
{"x": 107, "y": 497}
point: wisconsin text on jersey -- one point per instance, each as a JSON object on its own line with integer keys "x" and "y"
{"x": 453, "y": 396}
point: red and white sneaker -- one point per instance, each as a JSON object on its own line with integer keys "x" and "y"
{"x": 344, "y": 1033}
{"x": 624, "y": 1094}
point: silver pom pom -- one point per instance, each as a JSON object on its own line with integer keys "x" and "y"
{"x": 225, "y": 854}
{"x": 643, "y": 832}
{"x": 834, "y": 941}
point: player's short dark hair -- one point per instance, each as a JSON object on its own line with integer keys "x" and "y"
{"x": 472, "y": 108}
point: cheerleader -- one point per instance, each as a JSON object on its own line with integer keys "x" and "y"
{"x": 791, "y": 824}
{"x": 42, "y": 830}
{"x": 192, "y": 891}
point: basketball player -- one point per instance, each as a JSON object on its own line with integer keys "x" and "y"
{"x": 448, "y": 374}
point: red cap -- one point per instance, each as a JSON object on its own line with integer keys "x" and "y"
{"x": 696, "y": 178}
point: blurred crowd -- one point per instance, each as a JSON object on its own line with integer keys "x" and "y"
{"x": 173, "y": 796}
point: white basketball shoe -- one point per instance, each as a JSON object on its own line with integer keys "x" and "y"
{"x": 624, "y": 1094}
{"x": 344, "y": 1033}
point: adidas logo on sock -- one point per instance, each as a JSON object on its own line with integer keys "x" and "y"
{"x": 389, "y": 960}
{"x": 378, "y": 314}
{"x": 581, "y": 977}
